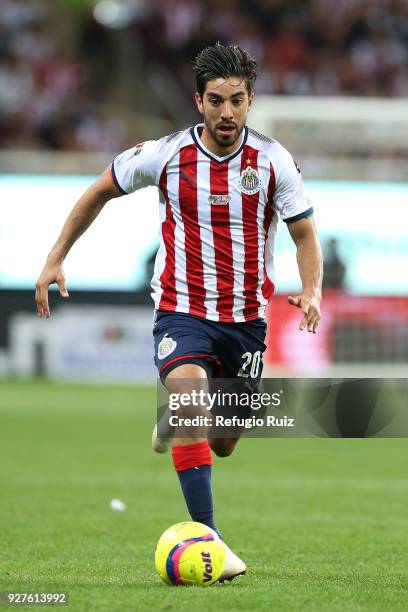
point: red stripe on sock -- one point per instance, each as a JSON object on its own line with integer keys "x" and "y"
{"x": 191, "y": 455}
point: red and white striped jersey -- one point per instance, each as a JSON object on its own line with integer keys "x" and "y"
{"x": 218, "y": 220}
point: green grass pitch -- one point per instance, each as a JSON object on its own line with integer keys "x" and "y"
{"x": 322, "y": 524}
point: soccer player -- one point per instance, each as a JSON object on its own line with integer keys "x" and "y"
{"x": 222, "y": 188}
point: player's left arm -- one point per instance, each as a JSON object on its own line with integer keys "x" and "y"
{"x": 310, "y": 264}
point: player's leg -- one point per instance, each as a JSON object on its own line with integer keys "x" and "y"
{"x": 184, "y": 352}
{"x": 240, "y": 348}
{"x": 193, "y": 460}
{"x": 179, "y": 339}
{"x": 183, "y": 356}
{"x": 224, "y": 440}
{"x": 224, "y": 444}
{"x": 191, "y": 452}
{"x": 223, "y": 447}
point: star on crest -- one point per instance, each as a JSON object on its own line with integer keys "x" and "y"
{"x": 248, "y": 161}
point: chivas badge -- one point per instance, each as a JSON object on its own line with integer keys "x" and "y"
{"x": 249, "y": 181}
{"x": 166, "y": 347}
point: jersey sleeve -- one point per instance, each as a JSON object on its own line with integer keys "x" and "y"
{"x": 137, "y": 167}
{"x": 290, "y": 198}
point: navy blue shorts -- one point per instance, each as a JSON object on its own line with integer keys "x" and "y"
{"x": 226, "y": 350}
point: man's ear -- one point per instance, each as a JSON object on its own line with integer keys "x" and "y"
{"x": 250, "y": 100}
{"x": 199, "y": 102}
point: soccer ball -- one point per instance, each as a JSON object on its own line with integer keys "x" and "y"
{"x": 190, "y": 553}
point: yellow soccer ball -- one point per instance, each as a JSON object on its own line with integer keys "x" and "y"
{"x": 190, "y": 553}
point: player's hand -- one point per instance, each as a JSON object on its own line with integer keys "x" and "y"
{"x": 52, "y": 273}
{"x": 310, "y": 306}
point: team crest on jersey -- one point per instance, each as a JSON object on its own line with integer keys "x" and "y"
{"x": 166, "y": 347}
{"x": 249, "y": 181}
{"x": 219, "y": 200}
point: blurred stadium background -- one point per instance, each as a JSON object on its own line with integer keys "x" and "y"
{"x": 81, "y": 80}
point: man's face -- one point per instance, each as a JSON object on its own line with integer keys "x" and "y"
{"x": 225, "y": 105}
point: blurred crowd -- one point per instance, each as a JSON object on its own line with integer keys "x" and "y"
{"x": 48, "y": 95}
{"x": 59, "y": 61}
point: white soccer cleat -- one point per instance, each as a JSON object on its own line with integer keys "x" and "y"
{"x": 160, "y": 445}
{"x": 233, "y": 566}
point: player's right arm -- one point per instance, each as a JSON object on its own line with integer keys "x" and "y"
{"x": 82, "y": 215}
{"x": 137, "y": 167}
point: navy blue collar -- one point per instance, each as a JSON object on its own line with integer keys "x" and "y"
{"x": 196, "y": 131}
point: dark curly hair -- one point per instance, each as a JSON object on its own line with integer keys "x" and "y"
{"x": 223, "y": 61}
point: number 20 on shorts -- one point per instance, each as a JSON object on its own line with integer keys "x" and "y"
{"x": 251, "y": 363}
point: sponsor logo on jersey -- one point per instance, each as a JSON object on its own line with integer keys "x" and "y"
{"x": 166, "y": 347}
{"x": 219, "y": 200}
{"x": 249, "y": 181}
